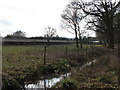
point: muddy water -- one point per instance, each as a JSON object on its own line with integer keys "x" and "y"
{"x": 49, "y": 82}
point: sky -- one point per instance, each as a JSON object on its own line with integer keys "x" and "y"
{"x": 32, "y": 16}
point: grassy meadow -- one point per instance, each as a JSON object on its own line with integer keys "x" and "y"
{"x": 21, "y": 62}
{"x": 25, "y": 63}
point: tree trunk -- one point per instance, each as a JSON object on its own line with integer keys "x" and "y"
{"x": 105, "y": 42}
{"x": 77, "y": 44}
{"x": 119, "y": 46}
{"x": 110, "y": 41}
{"x": 119, "y": 49}
{"x": 48, "y": 41}
{"x": 80, "y": 38}
{"x": 81, "y": 46}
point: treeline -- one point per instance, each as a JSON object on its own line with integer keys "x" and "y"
{"x": 53, "y": 38}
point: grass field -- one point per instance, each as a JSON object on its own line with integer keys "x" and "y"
{"x": 19, "y": 62}
{"x": 22, "y": 57}
{"x": 25, "y": 62}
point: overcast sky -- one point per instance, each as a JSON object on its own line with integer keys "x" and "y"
{"x": 31, "y": 16}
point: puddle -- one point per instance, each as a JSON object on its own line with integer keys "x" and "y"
{"x": 49, "y": 82}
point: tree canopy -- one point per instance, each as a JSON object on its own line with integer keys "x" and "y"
{"x": 17, "y": 34}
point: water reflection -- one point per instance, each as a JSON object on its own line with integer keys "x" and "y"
{"x": 49, "y": 82}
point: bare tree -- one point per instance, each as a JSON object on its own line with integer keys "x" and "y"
{"x": 49, "y": 33}
{"x": 103, "y": 11}
{"x": 71, "y": 17}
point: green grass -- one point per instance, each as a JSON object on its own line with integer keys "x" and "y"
{"x": 22, "y": 58}
{"x": 66, "y": 84}
{"x": 21, "y": 61}
{"x": 24, "y": 62}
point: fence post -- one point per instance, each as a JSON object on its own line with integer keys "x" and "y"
{"x": 66, "y": 51}
{"x": 45, "y": 55}
{"x": 78, "y": 49}
{"x": 45, "y": 67}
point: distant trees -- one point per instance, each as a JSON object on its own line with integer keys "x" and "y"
{"x": 17, "y": 34}
{"x": 49, "y": 33}
{"x": 71, "y": 17}
{"x": 103, "y": 14}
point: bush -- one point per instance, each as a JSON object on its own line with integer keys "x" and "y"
{"x": 68, "y": 84}
{"x": 105, "y": 80}
{"x": 48, "y": 69}
{"x": 10, "y": 83}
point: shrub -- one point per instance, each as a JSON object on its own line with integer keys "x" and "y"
{"x": 105, "y": 80}
{"x": 10, "y": 83}
{"x": 68, "y": 84}
{"x": 48, "y": 69}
